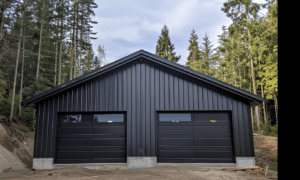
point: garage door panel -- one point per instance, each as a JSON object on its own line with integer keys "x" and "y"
{"x": 175, "y": 129}
{"x": 109, "y": 130}
{"x": 200, "y": 140}
{"x": 74, "y": 130}
{"x": 214, "y": 160}
{"x": 108, "y": 154}
{"x": 108, "y": 142}
{"x": 175, "y": 141}
{"x": 213, "y": 154}
{"x": 213, "y": 142}
{"x": 176, "y": 153}
{"x": 73, "y": 142}
{"x": 206, "y": 116}
{"x": 94, "y": 142}
{"x": 108, "y": 160}
{"x": 212, "y": 129}
{"x": 73, "y": 154}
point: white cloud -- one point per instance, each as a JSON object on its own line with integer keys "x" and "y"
{"x": 127, "y": 26}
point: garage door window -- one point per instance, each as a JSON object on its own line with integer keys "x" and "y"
{"x": 71, "y": 118}
{"x": 175, "y": 117}
{"x": 108, "y": 118}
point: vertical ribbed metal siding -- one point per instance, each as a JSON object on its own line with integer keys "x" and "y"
{"x": 141, "y": 89}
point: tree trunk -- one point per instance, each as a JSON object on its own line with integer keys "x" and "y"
{"x": 40, "y": 46}
{"x": 56, "y": 51}
{"x": 60, "y": 49}
{"x": 1, "y": 24}
{"x": 76, "y": 42}
{"x": 264, "y": 105}
{"x": 72, "y": 50}
{"x": 79, "y": 63}
{"x": 55, "y": 67}
{"x": 276, "y": 106}
{"x": 252, "y": 71}
{"x": 21, "y": 84}
{"x": 16, "y": 73}
{"x": 252, "y": 119}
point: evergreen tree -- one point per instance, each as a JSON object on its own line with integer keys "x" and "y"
{"x": 209, "y": 58}
{"x": 194, "y": 52}
{"x": 88, "y": 61}
{"x": 164, "y": 47}
{"x": 239, "y": 11}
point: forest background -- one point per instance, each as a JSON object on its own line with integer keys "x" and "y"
{"x": 46, "y": 43}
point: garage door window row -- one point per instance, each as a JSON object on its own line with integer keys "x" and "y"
{"x": 89, "y": 118}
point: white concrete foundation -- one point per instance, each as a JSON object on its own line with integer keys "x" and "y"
{"x": 43, "y": 163}
{"x": 140, "y": 162}
{"x": 245, "y": 162}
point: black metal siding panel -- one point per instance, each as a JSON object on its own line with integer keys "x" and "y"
{"x": 246, "y": 131}
{"x": 147, "y": 82}
{"x": 133, "y": 112}
{"x": 43, "y": 127}
{"x": 195, "y": 97}
{"x": 152, "y": 110}
{"x": 235, "y": 122}
{"x": 250, "y": 131}
{"x": 141, "y": 90}
{"x": 167, "y": 92}
{"x": 120, "y": 93}
{"x": 129, "y": 113}
{"x": 241, "y": 126}
{"x": 138, "y": 118}
{"x": 161, "y": 90}
{"x": 191, "y": 98}
{"x": 37, "y": 131}
{"x": 200, "y": 97}
{"x": 180, "y": 90}
{"x": 185, "y": 95}
{"x": 176, "y": 93}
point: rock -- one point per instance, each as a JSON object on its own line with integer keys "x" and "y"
{"x": 7, "y": 169}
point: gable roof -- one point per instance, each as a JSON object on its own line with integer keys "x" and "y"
{"x": 254, "y": 99}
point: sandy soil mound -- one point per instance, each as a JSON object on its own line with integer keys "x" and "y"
{"x": 16, "y": 147}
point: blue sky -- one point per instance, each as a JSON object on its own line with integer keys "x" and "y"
{"x": 128, "y": 26}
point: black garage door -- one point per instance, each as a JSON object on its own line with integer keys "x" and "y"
{"x": 199, "y": 137}
{"x": 91, "y": 138}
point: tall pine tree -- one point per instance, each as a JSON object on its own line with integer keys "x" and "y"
{"x": 194, "y": 52}
{"x": 164, "y": 47}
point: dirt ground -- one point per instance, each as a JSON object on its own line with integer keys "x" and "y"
{"x": 16, "y": 150}
{"x": 265, "y": 148}
{"x": 192, "y": 173}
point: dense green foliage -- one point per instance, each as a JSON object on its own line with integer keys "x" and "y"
{"x": 164, "y": 47}
{"x": 247, "y": 55}
{"x": 52, "y": 38}
{"x": 47, "y": 43}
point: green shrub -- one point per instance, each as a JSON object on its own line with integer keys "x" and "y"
{"x": 25, "y": 129}
{"x": 262, "y": 164}
{"x": 268, "y": 129}
{"x": 274, "y": 163}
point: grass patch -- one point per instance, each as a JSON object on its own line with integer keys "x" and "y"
{"x": 25, "y": 129}
{"x": 262, "y": 164}
{"x": 274, "y": 163}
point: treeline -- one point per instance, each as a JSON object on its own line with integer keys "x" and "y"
{"x": 247, "y": 55}
{"x": 46, "y": 43}
{"x": 43, "y": 43}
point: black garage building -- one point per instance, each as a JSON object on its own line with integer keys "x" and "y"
{"x": 143, "y": 106}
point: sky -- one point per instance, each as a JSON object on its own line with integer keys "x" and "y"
{"x": 125, "y": 27}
